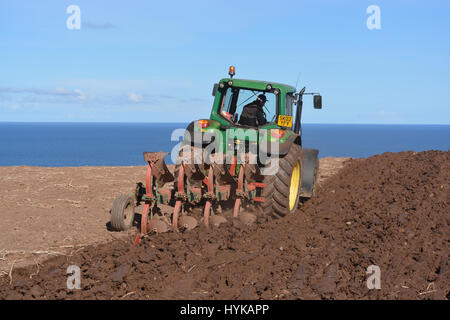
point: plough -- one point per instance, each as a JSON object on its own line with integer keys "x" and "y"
{"x": 194, "y": 185}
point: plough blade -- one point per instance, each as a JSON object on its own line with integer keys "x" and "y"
{"x": 249, "y": 175}
{"x": 159, "y": 225}
{"x": 188, "y": 222}
{"x": 222, "y": 174}
{"x": 193, "y": 163}
{"x": 159, "y": 168}
{"x": 216, "y": 220}
{"x": 247, "y": 218}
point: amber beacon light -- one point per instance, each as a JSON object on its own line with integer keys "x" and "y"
{"x": 232, "y": 71}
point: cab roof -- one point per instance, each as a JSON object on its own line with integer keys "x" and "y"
{"x": 258, "y": 84}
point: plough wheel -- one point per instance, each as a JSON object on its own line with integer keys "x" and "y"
{"x": 122, "y": 212}
{"x": 282, "y": 193}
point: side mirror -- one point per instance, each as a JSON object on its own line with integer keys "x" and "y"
{"x": 214, "y": 91}
{"x": 318, "y": 102}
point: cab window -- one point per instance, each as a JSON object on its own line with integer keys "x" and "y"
{"x": 234, "y": 99}
{"x": 289, "y": 103}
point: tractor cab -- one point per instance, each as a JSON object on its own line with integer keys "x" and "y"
{"x": 281, "y": 112}
{"x": 232, "y": 95}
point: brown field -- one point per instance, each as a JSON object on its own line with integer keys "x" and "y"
{"x": 390, "y": 210}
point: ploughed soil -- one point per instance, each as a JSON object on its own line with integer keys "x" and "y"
{"x": 389, "y": 210}
{"x": 47, "y": 212}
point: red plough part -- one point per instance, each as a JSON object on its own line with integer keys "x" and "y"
{"x": 212, "y": 185}
{"x": 157, "y": 175}
{"x": 182, "y": 196}
{"x": 247, "y": 188}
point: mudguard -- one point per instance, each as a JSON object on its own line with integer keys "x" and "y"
{"x": 310, "y": 165}
{"x": 283, "y": 148}
{"x": 205, "y": 138}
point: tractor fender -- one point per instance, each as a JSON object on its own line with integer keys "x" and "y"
{"x": 188, "y": 138}
{"x": 189, "y": 134}
{"x": 310, "y": 165}
{"x": 283, "y": 148}
{"x": 205, "y": 137}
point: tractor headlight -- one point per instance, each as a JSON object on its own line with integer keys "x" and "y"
{"x": 221, "y": 85}
{"x": 269, "y": 87}
{"x": 230, "y": 83}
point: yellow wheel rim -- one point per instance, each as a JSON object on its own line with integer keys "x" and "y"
{"x": 293, "y": 189}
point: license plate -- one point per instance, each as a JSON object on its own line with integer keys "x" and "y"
{"x": 285, "y": 121}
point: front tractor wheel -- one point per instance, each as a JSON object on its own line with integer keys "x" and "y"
{"x": 282, "y": 193}
{"x": 122, "y": 213}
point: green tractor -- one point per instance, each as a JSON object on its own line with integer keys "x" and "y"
{"x": 225, "y": 162}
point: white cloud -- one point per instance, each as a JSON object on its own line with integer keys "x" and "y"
{"x": 14, "y": 106}
{"x": 99, "y": 26}
{"x": 59, "y": 91}
{"x": 134, "y": 97}
{"x": 81, "y": 94}
{"x": 14, "y": 98}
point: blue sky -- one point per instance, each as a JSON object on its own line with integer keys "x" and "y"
{"x": 156, "y": 61}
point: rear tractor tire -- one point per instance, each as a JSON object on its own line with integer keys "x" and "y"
{"x": 282, "y": 193}
{"x": 122, "y": 212}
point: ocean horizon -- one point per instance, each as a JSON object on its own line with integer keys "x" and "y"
{"x": 61, "y": 144}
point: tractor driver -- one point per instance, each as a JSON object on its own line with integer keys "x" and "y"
{"x": 253, "y": 113}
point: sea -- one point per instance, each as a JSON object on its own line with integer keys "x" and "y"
{"x": 122, "y": 144}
